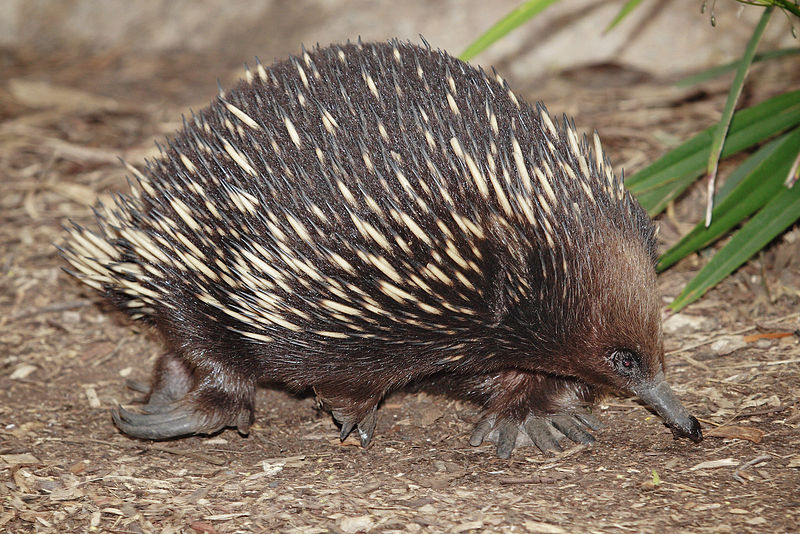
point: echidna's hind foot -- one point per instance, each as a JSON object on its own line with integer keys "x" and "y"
{"x": 185, "y": 401}
{"x": 183, "y": 418}
{"x": 365, "y": 427}
{"x": 172, "y": 380}
{"x": 359, "y": 412}
{"x": 162, "y": 425}
{"x": 544, "y": 432}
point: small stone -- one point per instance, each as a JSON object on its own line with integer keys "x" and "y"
{"x": 356, "y": 524}
{"x": 682, "y": 323}
{"x": 727, "y": 345}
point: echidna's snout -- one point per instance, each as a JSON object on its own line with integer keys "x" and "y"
{"x": 660, "y": 397}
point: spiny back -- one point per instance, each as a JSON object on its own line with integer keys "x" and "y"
{"x": 364, "y": 192}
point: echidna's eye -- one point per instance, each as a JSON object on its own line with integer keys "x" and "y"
{"x": 626, "y": 362}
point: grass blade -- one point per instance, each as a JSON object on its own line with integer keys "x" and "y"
{"x": 517, "y": 17}
{"x": 713, "y": 72}
{"x": 788, "y": 5}
{"x": 748, "y": 127}
{"x": 733, "y": 97}
{"x": 762, "y": 177}
{"x": 780, "y": 213}
{"x": 655, "y": 200}
{"x": 629, "y": 6}
{"x": 677, "y": 169}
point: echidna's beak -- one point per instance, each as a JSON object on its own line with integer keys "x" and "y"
{"x": 660, "y": 397}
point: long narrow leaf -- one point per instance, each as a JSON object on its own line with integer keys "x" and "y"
{"x": 629, "y": 6}
{"x": 764, "y": 173}
{"x": 655, "y": 200}
{"x": 748, "y": 127}
{"x": 676, "y": 170}
{"x": 727, "y": 113}
{"x": 787, "y": 5}
{"x": 713, "y": 72}
{"x": 746, "y": 167}
{"x": 517, "y": 17}
{"x": 780, "y": 213}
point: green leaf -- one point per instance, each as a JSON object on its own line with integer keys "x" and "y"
{"x": 656, "y": 478}
{"x": 780, "y": 213}
{"x": 733, "y": 96}
{"x": 629, "y": 6}
{"x": 745, "y": 168}
{"x": 517, "y": 17}
{"x": 655, "y": 200}
{"x": 757, "y": 180}
{"x": 713, "y": 72}
{"x": 786, "y": 5}
{"x": 676, "y": 170}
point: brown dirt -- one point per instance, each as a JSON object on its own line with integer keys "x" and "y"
{"x": 64, "y": 358}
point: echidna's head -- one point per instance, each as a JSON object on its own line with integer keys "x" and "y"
{"x": 605, "y": 328}
{"x": 624, "y": 344}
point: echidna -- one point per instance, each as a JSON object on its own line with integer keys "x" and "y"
{"x": 367, "y": 215}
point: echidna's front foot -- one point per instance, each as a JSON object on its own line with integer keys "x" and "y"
{"x": 351, "y": 412}
{"x": 544, "y": 432}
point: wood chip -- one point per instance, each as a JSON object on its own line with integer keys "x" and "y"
{"x": 543, "y": 528}
{"x": 20, "y": 459}
{"x": 736, "y": 432}
{"x": 356, "y": 524}
{"x": 91, "y": 396}
{"x": 713, "y": 464}
{"x": 467, "y": 526}
{"x": 202, "y": 526}
{"x": 772, "y": 335}
{"x": 22, "y": 371}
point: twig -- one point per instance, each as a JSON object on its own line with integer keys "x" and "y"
{"x": 189, "y": 454}
{"x": 758, "y": 364}
{"x": 694, "y": 362}
{"x": 751, "y": 463}
{"x": 154, "y": 446}
{"x": 765, "y": 411}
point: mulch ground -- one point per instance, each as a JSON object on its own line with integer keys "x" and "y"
{"x": 733, "y": 357}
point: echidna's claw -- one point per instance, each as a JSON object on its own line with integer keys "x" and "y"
{"x": 506, "y": 438}
{"x": 542, "y": 431}
{"x": 154, "y": 408}
{"x": 588, "y": 420}
{"x": 157, "y": 403}
{"x": 572, "y": 428}
{"x": 137, "y": 386}
{"x": 347, "y": 427}
{"x": 366, "y": 427}
{"x": 482, "y": 430}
